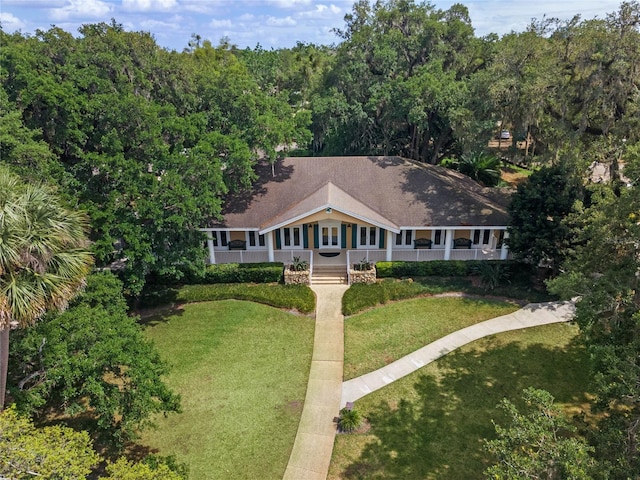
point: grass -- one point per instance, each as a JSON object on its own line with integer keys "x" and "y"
{"x": 430, "y": 424}
{"x": 378, "y": 337}
{"x": 241, "y": 369}
{"x": 360, "y": 296}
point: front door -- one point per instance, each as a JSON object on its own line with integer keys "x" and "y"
{"x": 329, "y": 234}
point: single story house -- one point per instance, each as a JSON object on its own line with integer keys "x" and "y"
{"x": 340, "y": 210}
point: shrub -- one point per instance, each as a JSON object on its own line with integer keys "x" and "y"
{"x": 361, "y": 296}
{"x": 298, "y": 265}
{"x": 363, "y": 265}
{"x": 298, "y": 297}
{"x": 441, "y": 268}
{"x": 349, "y": 420}
{"x": 243, "y": 273}
{"x": 492, "y": 275}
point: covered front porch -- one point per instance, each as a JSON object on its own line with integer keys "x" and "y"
{"x": 341, "y": 243}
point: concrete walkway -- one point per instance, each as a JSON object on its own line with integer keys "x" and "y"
{"x": 313, "y": 446}
{"x": 532, "y": 315}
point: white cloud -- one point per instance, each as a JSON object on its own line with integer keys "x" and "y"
{"x": 10, "y": 23}
{"x": 281, "y": 22}
{"x": 149, "y": 5}
{"x": 155, "y": 25}
{"x": 220, "y": 23}
{"x": 322, "y": 12}
{"x": 289, "y": 3}
{"x": 84, "y": 9}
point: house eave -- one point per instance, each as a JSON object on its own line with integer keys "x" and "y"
{"x": 332, "y": 207}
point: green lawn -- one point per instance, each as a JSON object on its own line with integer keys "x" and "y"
{"x": 430, "y": 425}
{"x": 241, "y": 369}
{"x": 380, "y": 336}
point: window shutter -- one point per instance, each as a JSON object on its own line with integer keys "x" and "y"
{"x": 343, "y": 235}
{"x": 305, "y": 235}
{"x": 383, "y": 234}
{"x": 278, "y": 241}
{"x": 354, "y": 236}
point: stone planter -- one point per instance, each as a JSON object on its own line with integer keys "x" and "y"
{"x": 363, "y": 276}
{"x": 292, "y": 277}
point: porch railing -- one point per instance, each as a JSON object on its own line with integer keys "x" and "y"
{"x": 257, "y": 256}
{"x": 419, "y": 255}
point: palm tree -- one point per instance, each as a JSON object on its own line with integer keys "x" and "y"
{"x": 43, "y": 257}
{"x": 481, "y": 166}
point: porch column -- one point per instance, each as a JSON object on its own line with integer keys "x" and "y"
{"x": 389, "y": 246}
{"x": 270, "y": 245}
{"x": 448, "y": 243}
{"x": 212, "y": 253}
{"x": 504, "y": 251}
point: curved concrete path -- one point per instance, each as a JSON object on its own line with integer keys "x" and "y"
{"x": 326, "y": 392}
{"x": 311, "y": 453}
{"x": 532, "y": 315}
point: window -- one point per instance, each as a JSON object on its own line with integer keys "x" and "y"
{"x": 437, "y": 237}
{"x": 291, "y": 237}
{"x": 219, "y": 238}
{"x": 368, "y": 237}
{"x": 255, "y": 240}
{"x": 483, "y": 234}
{"x": 330, "y": 236}
{"x": 404, "y": 238}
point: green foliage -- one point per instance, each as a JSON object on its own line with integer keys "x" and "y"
{"x": 298, "y": 297}
{"x": 53, "y": 452}
{"x": 91, "y": 361}
{"x": 146, "y": 140}
{"x": 439, "y": 268}
{"x": 399, "y": 82}
{"x": 480, "y": 166}
{"x": 537, "y": 232}
{"x": 123, "y": 469}
{"x": 492, "y": 274}
{"x": 361, "y": 296}
{"x": 603, "y": 271}
{"x": 363, "y": 265}
{"x": 349, "y": 420}
{"x": 538, "y": 443}
{"x": 298, "y": 265}
{"x": 243, "y": 273}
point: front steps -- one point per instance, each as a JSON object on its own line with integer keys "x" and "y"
{"x": 329, "y": 275}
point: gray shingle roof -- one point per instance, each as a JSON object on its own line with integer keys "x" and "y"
{"x": 387, "y": 190}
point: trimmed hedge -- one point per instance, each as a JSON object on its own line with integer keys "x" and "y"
{"x": 360, "y": 296}
{"x": 442, "y": 268}
{"x": 297, "y": 297}
{"x": 243, "y": 273}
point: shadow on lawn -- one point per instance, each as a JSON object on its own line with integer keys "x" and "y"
{"x": 158, "y": 305}
{"x": 439, "y": 435}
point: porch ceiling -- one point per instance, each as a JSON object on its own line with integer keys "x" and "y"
{"x": 333, "y": 197}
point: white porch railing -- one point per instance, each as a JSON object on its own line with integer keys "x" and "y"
{"x": 475, "y": 254}
{"x": 355, "y": 256}
{"x": 418, "y": 255}
{"x": 241, "y": 256}
{"x": 256, "y": 256}
{"x": 421, "y": 255}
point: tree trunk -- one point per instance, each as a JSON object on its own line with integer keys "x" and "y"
{"x": 4, "y": 363}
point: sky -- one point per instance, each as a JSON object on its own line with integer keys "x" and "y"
{"x": 270, "y": 23}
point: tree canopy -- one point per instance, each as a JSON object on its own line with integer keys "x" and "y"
{"x": 91, "y": 360}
